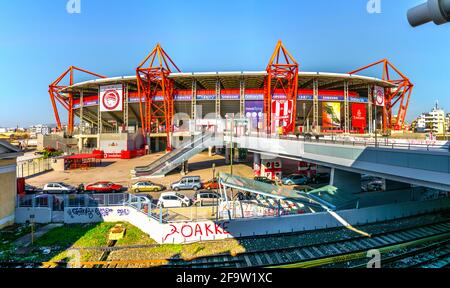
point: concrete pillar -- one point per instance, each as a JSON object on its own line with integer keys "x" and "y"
{"x": 257, "y": 164}
{"x": 80, "y": 144}
{"x": 227, "y": 155}
{"x": 157, "y": 144}
{"x": 346, "y": 182}
{"x": 210, "y": 151}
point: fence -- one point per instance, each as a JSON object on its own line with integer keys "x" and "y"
{"x": 32, "y": 167}
{"x": 59, "y": 202}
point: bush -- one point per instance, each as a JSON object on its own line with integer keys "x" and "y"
{"x": 51, "y": 152}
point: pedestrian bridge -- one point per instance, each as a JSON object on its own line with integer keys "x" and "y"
{"x": 418, "y": 165}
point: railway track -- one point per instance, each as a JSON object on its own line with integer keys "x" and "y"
{"x": 312, "y": 255}
{"x": 435, "y": 255}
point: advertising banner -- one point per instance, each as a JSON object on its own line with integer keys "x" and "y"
{"x": 254, "y": 111}
{"x": 359, "y": 113}
{"x": 113, "y": 148}
{"x": 282, "y": 115}
{"x": 378, "y": 94}
{"x": 111, "y": 98}
{"x": 331, "y": 115}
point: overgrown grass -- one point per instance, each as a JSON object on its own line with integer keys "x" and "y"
{"x": 134, "y": 236}
{"x": 187, "y": 251}
{"x": 10, "y": 234}
{"x": 60, "y": 240}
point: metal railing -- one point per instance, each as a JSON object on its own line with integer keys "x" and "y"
{"x": 171, "y": 158}
{"x": 383, "y": 143}
{"x": 387, "y": 143}
{"x": 33, "y": 167}
{"x": 59, "y": 202}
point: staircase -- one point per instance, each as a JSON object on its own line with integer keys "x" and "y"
{"x": 174, "y": 159}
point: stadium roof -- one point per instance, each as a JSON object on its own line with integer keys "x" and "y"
{"x": 231, "y": 80}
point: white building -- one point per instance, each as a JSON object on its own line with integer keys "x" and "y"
{"x": 448, "y": 122}
{"x": 433, "y": 122}
{"x": 40, "y": 129}
{"x": 421, "y": 124}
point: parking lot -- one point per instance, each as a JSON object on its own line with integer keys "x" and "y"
{"x": 118, "y": 171}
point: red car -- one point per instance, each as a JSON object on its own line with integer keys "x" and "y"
{"x": 211, "y": 184}
{"x": 104, "y": 187}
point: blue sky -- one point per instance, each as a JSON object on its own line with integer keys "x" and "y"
{"x": 39, "y": 40}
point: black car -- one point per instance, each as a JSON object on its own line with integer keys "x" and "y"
{"x": 30, "y": 190}
{"x": 264, "y": 180}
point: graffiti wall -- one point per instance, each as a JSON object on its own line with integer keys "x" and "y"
{"x": 96, "y": 214}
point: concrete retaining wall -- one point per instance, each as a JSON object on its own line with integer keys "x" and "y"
{"x": 188, "y": 232}
{"x": 41, "y": 215}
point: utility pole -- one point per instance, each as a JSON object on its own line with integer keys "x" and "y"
{"x": 231, "y": 145}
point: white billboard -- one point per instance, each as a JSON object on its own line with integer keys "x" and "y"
{"x": 111, "y": 98}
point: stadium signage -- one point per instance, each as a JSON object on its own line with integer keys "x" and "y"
{"x": 379, "y": 96}
{"x": 111, "y": 98}
{"x": 359, "y": 113}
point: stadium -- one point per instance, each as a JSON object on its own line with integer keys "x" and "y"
{"x": 155, "y": 105}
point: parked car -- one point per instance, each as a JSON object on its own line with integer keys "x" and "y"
{"x": 141, "y": 201}
{"x": 206, "y": 198}
{"x": 104, "y": 187}
{"x": 146, "y": 186}
{"x": 29, "y": 190}
{"x": 295, "y": 179}
{"x": 264, "y": 180}
{"x": 212, "y": 184}
{"x": 188, "y": 183}
{"x": 59, "y": 188}
{"x": 173, "y": 200}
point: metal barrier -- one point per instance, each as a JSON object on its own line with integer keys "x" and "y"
{"x": 387, "y": 143}
{"x": 59, "y": 202}
{"x": 33, "y": 167}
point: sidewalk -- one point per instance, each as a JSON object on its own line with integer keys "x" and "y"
{"x": 25, "y": 241}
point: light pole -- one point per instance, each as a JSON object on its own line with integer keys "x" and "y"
{"x": 231, "y": 145}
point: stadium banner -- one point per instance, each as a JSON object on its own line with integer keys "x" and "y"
{"x": 111, "y": 98}
{"x": 282, "y": 116}
{"x": 378, "y": 93}
{"x": 331, "y": 115}
{"x": 359, "y": 113}
{"x": 254, "y": 111}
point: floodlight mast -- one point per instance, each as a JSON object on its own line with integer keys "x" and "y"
{"x": 437, "y": 11}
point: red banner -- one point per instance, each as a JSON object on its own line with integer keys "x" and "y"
{"x": 282, "y": 116}
{"x": 359, "y": 113}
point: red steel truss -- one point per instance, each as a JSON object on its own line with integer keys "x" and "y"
{"x": 67, "y": 102}
{"x": 282, "y": 76}
{"x": 152, "y": 79}
{"x": 401, "y": 94}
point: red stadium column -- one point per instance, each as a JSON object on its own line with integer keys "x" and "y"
{"x": 282, "y": 76}
{"x": 153, "y": 82}
{"x": 399, "y": 94}
{"x": 55, "y": 89}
